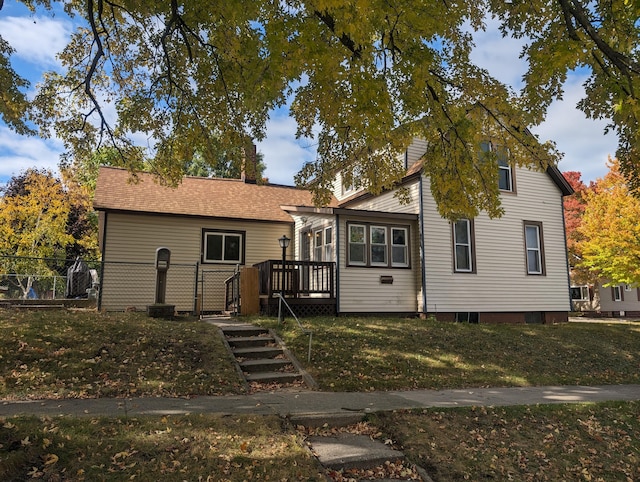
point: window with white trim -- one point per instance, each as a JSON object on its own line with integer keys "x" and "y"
{"x": 357, "y": 245}
{"x": 505, "y": 171}
{"x": 399, "y": 247}
{"x": 323, "y": 244}
{"x": 463, "y": 255}
{"x": 534, "y": 248}
{"x": 328, "y": 244}
{"x": 222, "y": 246}
{"x": 378, "y": 245}
{"x": 580, "y": 293}
{"x": 616, "y": 293}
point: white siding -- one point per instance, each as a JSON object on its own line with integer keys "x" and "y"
{"x": 134, "y": 238}
{"x": 415, "y": 151}
{"x": 389, "y": 203}
{"x": 361, "y": 290}
{"x": 501, "y": 283}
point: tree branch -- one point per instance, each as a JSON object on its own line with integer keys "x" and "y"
{"x": 344, "y": 39}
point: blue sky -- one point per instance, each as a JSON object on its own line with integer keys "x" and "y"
{"x": 37, "y": 38}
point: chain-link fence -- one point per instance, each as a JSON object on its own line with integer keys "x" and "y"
{"x": 129, "y": 286}
{"x": 29, "y": 278}
{"x": 213, "y": 284}
{"x": 116, "y": 286}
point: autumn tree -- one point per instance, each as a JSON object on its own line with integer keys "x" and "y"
{"x": 574, "y": 207}
{"x": 362, "y": 77}
{"x": 34, "y": 210}
{"x": 610, "y": 230}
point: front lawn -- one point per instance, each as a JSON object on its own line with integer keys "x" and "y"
{"x": 364, "y": 354}
{"x": 66, "y": 354}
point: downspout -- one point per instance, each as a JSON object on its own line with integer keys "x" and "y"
{"x": 423, "y": 268}
{"x": 338, "y": 264}
{"x": 104, "y": 248}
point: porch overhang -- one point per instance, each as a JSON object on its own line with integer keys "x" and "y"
{"x": 350, "y": 212}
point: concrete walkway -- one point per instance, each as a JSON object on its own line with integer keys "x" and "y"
{"x": 309, "y": 404}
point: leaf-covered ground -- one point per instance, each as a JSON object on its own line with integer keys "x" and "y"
{"x": 364, "y": 354}
{"x": 194, "y": 448}
{"x": 65, "y": 354}
{"x": 594, "y": 442}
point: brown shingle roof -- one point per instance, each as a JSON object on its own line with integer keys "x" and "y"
{"x": 196, "y": 196}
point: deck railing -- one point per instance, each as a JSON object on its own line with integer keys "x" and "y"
{"x": 297, "y": 278}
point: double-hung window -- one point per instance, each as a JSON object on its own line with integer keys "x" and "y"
{"x": 616, "y": 293}
{"x": 323, "y": 244}
{"x": 505, "y": 171}
{"x": 399, "y": 247}
{"x": 222, "y": 246}
{"x": 358, "y": 244}
{"x": 463, "y": 250}
{"x": 534, "y": 248}
{"x": 378, "y": 245}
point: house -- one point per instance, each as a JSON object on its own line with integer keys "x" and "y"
{"x": 362, "y": 254}
{"x": 606, "y": 301}
{"x": 210, "y": 226}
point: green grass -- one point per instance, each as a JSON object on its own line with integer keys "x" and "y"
{"x": 197, "y": 447}
{"x": 364, "y": 354}
{"x": 56, "y": 354}
{"x": 64, "y": 354}
{"x": 582, "y": 442}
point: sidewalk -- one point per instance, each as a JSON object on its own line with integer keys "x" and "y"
{"x": 310, "y": 404}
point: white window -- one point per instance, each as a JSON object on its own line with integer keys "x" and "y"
{"x": 378, "y": 246}
{"x": 505, "y": 171}
{"x": 399, "y": 247}
{"x": 323, "y": 244}
{"x": 328, "y": 244}
{"x": 616, "y": 293}
{"x": 534, "y": 248}
{"x": 222, "y": 247}
{"x": 463, "y": 246}
{"x": 357, "y": 244}
{"x": 580, "y": 293}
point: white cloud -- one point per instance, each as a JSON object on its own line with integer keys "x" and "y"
{"x": 18, "y": 153}
{"x": 500, "y": 56}
{"x": 36, "y": 39}
{"x": 582, "y": 140}
{"x": 284, "y": 155}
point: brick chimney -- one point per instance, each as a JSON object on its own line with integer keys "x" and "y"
{"x": 249, "y": 165}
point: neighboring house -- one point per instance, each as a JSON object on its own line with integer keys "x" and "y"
{"x": 600, "y": 300}
{"x": 385, "y": 257}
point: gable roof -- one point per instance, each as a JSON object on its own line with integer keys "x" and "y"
{"x": 195, "y": 196}
{"x": 415, "y": 170}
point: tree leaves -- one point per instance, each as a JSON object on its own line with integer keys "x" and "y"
{"x": 610, "y": 231}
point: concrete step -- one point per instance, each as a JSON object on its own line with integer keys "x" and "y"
{"x": 264, "y": 365}
{"x": 350, "y": 451}
{"x": 249, "y": 341}
{"x": 243, "y": 330}
{"x": 267, "y": 377}
{"x": 257, "y": 352}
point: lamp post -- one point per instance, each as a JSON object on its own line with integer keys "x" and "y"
{"x": 284, "y": 244}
